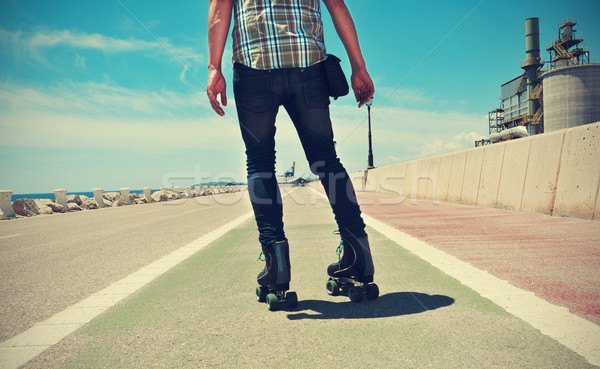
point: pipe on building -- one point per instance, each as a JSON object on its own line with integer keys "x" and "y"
{"x": 532, "y": 61}
{"x": 509, "y": 134}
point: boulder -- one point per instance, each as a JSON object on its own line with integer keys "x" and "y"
{"x": 173, "y": 194}
{"x": 160, "y": 196}
{"x": 20, "y": 207}
{"x": 31, "y": 207}
{"x": 56, "y": 208}
{"x": 74, "y": 207}
{"x": 89, "y": 203}
{"x": 43, "y": 206}
{"x": 111, "y": 196}
{"x": 74, "y": 199}
{"x": 117, "y": 201}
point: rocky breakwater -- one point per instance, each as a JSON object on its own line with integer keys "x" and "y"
{"x": 33, "y": 207}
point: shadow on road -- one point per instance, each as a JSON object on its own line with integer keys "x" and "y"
{"x": 392, "y": 304}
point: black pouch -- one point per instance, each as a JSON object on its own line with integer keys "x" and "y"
{"x": 338, "y": 85}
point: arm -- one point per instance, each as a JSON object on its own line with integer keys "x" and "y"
{"x": 219, "y": 19}
{"x": 344, "y": 25}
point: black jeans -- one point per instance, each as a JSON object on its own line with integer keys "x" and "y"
{"x": 304, "y": 95}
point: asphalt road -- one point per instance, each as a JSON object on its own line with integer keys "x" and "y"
{"x": 48, "y": 263}
{"x": 203, "y": 312}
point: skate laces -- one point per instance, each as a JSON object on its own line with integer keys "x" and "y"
{"x": 340, "y": 250}
{"x": 260, "y": 257}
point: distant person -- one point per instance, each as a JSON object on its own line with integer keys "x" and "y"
{"x": 278, "y": 54}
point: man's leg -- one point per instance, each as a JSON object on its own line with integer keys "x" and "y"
{"x": 257, "y": 109}
{"x": 257, "y": 113}
{"x": 309, "y": 110}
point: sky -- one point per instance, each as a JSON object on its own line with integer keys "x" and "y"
{"x": 112, "y": 93}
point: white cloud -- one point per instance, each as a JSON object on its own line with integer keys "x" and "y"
{"x": 35, "y": 44}
{"x": 402, "y": 134}
{"x": 92, "y": 115}
{"x": 110, "y": 116}
{"x": 80, "y": 62}
{"x": 99, "y": 99}
{"x": 54, "y": 130}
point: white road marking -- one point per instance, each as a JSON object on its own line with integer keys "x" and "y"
{"x": 12, "y": 235}
{"x": 23, "y": 347}
{"x": 18, "y": 350}
{"x": 576, "y": 333}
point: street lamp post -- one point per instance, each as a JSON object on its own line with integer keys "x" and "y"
{"x": 370, "y": 158}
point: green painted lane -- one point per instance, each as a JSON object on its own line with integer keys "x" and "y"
{"x": 204, "y": 313}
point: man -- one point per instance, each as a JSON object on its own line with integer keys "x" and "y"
{"x": 278, "y": 50}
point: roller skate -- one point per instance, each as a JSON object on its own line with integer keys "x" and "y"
{"x": 352, "y": 274}
{"x": 274, "y": 279}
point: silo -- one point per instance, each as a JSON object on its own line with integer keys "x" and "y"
{"x": 571, "y": 96}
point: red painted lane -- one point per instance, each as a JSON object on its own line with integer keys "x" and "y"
{"x": 556, "y": 258}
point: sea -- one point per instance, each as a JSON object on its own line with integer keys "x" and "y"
{"x": 50, "y": 195}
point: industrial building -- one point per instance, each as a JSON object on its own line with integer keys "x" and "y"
{"x": 562, "y": 92}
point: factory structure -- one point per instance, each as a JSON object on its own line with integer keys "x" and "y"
{"x": 562, "y": 92}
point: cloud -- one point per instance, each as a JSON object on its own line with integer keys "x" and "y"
{"x": 402, "y": 134}
{"x": 111, "y": 116}
{"x": 100, "y": 99}
{"x": 93, "y": 115}
{"x": 35, "y": 44}
{"x": 42, "y": 130}
{"x": 80, "y": 62}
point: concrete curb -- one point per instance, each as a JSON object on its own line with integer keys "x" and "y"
{"x": 553, "y": 173}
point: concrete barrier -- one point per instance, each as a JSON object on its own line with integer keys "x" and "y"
{"x": 392, "y": 180}
{"x": 457, "y": 176}
{"x": 357, "y": 179}
{"x": 579, "y": 175}
{"x": 444, "y": 179}
{"x": 514, "y": 170}
{"x": 433, "y": 186}
{"x": 98, "y": 197}
{"x": 410, "y": 175}
{"x": 125, "y": 196}
{"x": 424, "y": 178}
{"x": 542, "y": 172}
{"x": 188, "y": 191}
{"x": 147, "y": 194}
{"x": 555, "y": 173}
{"x": 470, "y": 187}
{"x": 6, "y": 209}
{"x": 60, "y": 197}
{"x": 491, "y": 171}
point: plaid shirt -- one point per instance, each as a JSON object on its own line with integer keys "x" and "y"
{"x": 271, "y": 34}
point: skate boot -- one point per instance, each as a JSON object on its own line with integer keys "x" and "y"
{"x": 274, "y": 279}
{"x": 352, "y": 274}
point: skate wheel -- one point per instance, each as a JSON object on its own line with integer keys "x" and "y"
{"x": 372, "y": 291}
{"x": 333, "y": 288}
{"x": 261, "y": 293}
{"x": 272, "y": 302}
{"x": 292, "y": 300}
{"x": 355, "y": 293}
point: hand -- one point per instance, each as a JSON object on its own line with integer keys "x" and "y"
{"x": 216, "y": 85}
{"x": 362, "y": 86}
